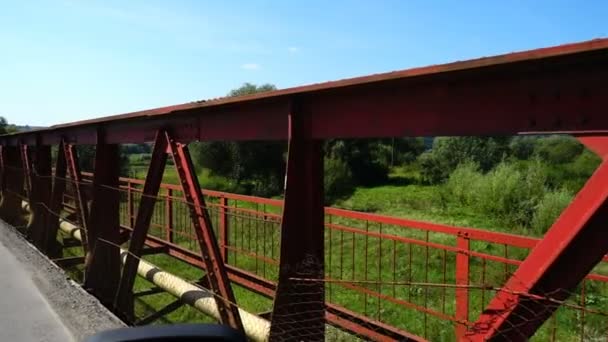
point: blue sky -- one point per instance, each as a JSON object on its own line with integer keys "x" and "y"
{"x": 67, "y": 60}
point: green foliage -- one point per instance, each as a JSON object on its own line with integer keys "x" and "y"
{"x": 5, "y": 128}
{"x": 363, "y": 157}
{"x": 338, "y": 180}
{"x": 549, "y": 208}
{"x": 506, "y": 193}
{"x": 463, "y": 183}
{"x": 449, "y": 152}
{"x": 249, "y": 89}
{"x": 558, "y": 149}
{"x": 523, "y": 147}
{"x": 256, "y": 168}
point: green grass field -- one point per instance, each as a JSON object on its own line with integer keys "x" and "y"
{"x": 384, "y": 262}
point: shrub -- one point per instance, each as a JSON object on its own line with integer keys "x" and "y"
{"x": 505, "y": 193}
{"x": 549, "y": 208}
{"x": 338, "y": 180}
{"x": 523, "y": 147}
{"x": 449, "y": 152}
{"x": 558, "y": 149}
{"x": 463, "y": 182}
{"x": 432, "y": 169}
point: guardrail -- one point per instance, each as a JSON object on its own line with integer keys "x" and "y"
{"x": 385, "y": 278}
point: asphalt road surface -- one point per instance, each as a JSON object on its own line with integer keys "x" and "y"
{"x": 38, "y": 302}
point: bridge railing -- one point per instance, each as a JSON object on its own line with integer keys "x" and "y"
{"x": 390, "y": 276}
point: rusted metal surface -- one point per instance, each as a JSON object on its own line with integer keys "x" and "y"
{"x": 302, "y": 239}
{"x": 82, "y": 207}
{"x": 41, "y": 194}
{"x": 51, "y": 245}
{"x": 124, "y": 296}
{"x": 103, "y": 267}
{"x": 10, "y": 207}
{"x": 575, "y": 243}
{"x": 434, "y": 100}
{"x": 216, "y": 274}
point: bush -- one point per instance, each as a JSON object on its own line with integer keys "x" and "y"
{"x": 338, "y": 180}
{"x": 558, "y": 149}
{"x": 549, "y": 208}
{"x": 449, "y": 152}
{"x": 432, "y": 170}
{"x": 523, "y": 147}
{"x": 511, "y": 195}
{"x": 463, "y": 182}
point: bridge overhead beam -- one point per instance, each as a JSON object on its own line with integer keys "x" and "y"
{"x": 561, "y": 88}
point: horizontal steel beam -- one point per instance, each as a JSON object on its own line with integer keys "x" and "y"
{"x": 557, "y": 89}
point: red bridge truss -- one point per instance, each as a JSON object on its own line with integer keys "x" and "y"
{"x": 561, "y": 89}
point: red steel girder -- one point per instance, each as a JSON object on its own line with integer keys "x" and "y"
{"x": 558, "y": 263}
{"x": 41, "y": 185}
{"x": 299, "y": 306}
{"x": 10, "y": 206}
{"x": 124, "y": 297}
{"x": 26, "y": 165}
{"x": 560, "y": 88}
{"x": 217, "y": 276}
{"x": 50, "y": 245}
{"x": 102, "y": 269}
{"x": 82, "y": 209}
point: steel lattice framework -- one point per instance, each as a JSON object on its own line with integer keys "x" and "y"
{"x": 560, "y": 89}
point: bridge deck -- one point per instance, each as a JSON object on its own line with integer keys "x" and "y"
{"x": 37, "y": 302}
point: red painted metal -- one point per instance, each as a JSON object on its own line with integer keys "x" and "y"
{"x": 462, "y": 279}
{"x": 26, "y": 164}
{"x": 216, "y": 273}
{"x": 51, "y": 245}
{"x": 10, "y": 206}
{"x": 431, "y": 101}
{"x": 124, "y": 297}
{"x": 82, "y": 208}
{"x": 223, "y": 218}
{"x": 102, "y": 269}
{"x": 41, "y": 194}
{"x": 169, "y": 215}
{"x": 302, "y": 239}
{"x": 575, "y": 242}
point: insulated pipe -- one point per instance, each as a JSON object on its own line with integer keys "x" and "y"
{"x": 256, "y": 328}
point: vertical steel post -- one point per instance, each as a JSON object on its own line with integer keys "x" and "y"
{"x": 224, "y": 233}
{"x": 169, "y": 215}
{"x": 124, "y": 298}
{"x": 51, "y": 245}
{"x": 299, "y": 305}
{"x": 130, "y": 205}
{"x": 462, "y": 281}
{"x": 41, "y": 194}
{"x": 10, "y": 206}
{"x": 576, "y": 242}
{"x": 217, "y": 275}
{"x": 26, "y": 165}
{"x": 71, "y": 157}
{"x": 103, "y": 267}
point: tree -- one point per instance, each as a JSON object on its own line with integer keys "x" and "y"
{"x": 258, "y": 165}
{"x": 5, "y": 128}
{"x": 449, "y": 152}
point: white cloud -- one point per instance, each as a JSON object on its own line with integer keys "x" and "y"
{"x": 293, "y": 49}
{"x": 250, "y": 66}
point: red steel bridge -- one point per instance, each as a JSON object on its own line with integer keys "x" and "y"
{"x": 320, "y": 268}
